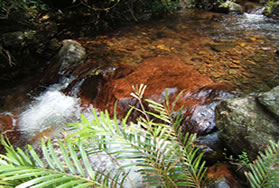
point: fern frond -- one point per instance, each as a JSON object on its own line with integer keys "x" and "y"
{"x": 166, "y": 157}
{"x": 71, "y": 168}
{"x": 190, "y": 161}
{"x": 265, "y": 170}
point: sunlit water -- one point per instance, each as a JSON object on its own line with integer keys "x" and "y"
{"x": 53, "y": 109}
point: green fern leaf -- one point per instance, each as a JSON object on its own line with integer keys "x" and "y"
{"x": 264, "y": 172}
{"x": 167, "y": 157}
{"x": 25, "y": 169}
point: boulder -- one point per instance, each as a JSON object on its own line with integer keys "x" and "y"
{"x": 212, "y": 147}
{"x": 70, "y": 55}
{"x": 69, "y": 58}
{"x": 185, "y": 4}
{"x": 13, "y": 39}
{"x": 252, "y": 7}
{"x": 232, "y": 7}
{"x": 245, "y": 125}
{"x": 270, "y": 101}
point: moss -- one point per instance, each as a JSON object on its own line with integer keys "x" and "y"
{"x": 272, "y": 9}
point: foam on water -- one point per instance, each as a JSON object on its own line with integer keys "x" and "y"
{"x": 50, "y": 110}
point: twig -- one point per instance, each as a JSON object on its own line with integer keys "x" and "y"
{"x": 8, "y": 56}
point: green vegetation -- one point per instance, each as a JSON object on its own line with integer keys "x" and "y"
{"x": 30, "y": 7}
{"x": 264, "y": 172}
{"x": 241, "y": 161}
{"x": 272, "y": 8}
{"x": 244, "y": 159}
{"x": 101, "y": 14}
{"x": 164, "y": 156}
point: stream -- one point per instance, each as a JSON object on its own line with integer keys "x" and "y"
{"x": 238, "y": 50}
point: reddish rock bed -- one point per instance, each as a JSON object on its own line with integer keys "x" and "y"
{"x": 158, "y": 74}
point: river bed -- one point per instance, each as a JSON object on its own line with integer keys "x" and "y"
{"x": 239, "y": 50}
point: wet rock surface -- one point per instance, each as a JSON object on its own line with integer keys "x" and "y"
{"x": 8, "y": 128}
{"x": 212, "y": 147}
{"x": 160, "y": 73}
{"x": 270, "y": 101}
{"x": 245, "y": 125}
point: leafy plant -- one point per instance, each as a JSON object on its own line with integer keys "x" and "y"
{"x": 167, "y": 157}
{"x": 155, "y": 145}
{"x": 241, "y": 161}
{"x": 225, "y": 3}
{"x": 264, "y": 172}
{"x": 272, "y": 8}
{"x": 31, "y": 7}
{"x": 70, "y": 168}
{"x": 244, "y": 159}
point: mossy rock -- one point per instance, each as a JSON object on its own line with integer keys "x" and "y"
{"x": 245, "y": 125}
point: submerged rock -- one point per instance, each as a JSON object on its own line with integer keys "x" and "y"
{"x": 199, "y": 92}
{"x": 245, "y": 125}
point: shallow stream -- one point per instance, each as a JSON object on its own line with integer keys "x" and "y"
{"x": 240, "y": 50}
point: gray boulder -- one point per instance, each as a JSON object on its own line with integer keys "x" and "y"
{"x": 270, "y": 101}
{"x": 245, "y": 125}
{"x": 232, "y": 7}
{"x": 70, "y": 56}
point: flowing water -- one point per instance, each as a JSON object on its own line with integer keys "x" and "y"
{"x": 236, "y": 49}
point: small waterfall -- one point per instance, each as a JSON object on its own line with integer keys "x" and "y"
{"x": 51, "y": 110}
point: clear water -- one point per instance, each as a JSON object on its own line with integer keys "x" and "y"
{"x": 53, "y": 109}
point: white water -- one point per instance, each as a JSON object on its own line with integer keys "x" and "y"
{"x": 51, "y": 111}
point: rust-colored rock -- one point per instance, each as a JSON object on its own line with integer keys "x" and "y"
{"x": 222, "y": 172}
{"x": 8, "y": 128}
{"x": 158, "y": 74}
